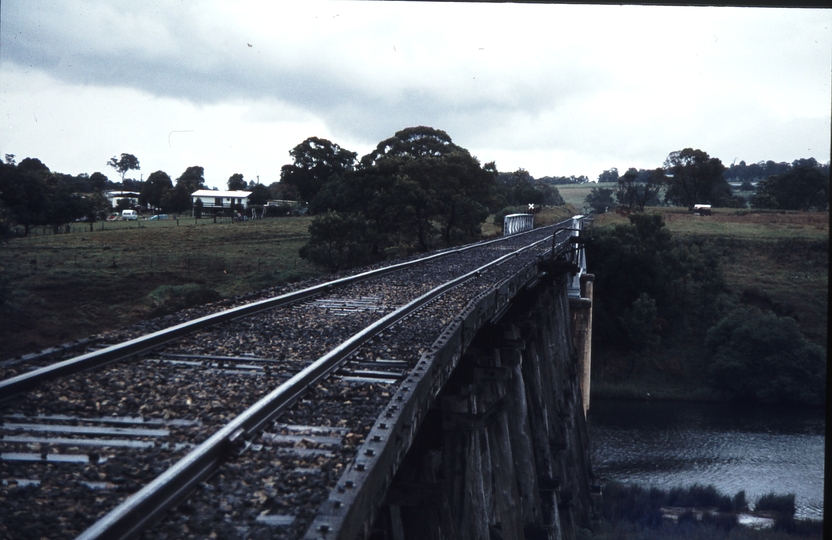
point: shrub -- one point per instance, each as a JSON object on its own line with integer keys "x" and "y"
{"x": 740, "y": 502}
{"x": 782, "y": 505}
{"x": 758, "y": 356}
{"x": 700, "y": 496}
{"x": 339, "y": 241}
{"x": 500, "y": 216}
{"x": 632, "y": 503}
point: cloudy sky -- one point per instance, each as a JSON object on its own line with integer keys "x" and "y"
{"x": 233, "y": 85}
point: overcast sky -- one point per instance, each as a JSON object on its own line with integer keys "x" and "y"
{"x": 561, "y": 90}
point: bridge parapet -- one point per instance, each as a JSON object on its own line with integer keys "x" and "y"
{"x": 515, "y": 223}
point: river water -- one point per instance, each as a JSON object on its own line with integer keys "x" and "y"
{"x": 668, "y": 444}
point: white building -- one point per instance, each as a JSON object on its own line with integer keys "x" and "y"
{"x": 220, "y": 202}
{"x": 131, "y": 197}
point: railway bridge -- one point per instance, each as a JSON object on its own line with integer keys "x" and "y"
{"x": 481, "y": 434}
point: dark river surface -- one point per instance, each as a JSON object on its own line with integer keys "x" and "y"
{"x": 668, "y": 444}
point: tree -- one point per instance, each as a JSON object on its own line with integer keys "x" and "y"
{"x": 33, "y": 166}
{"x": 192, "y": 180}
{"x": 99, "y": 181}
{"x": 315, "y": 162}
{"x": 642, "y": 258}
{"x": 95, "y": 206}
{"x": 608, "y": 177}
{"x": 25, "y": 191}
{"x": 520, "y": 189}
{"x": 758, "y": 356}
{"x": 802, "y": 188}
{"x": 414, "y": 142}
{"x": 636, "y": 189}
{"x": 127, "y": 162}
{"x": 338, "y": 241}
{"x": 283, "y": 192}
{"x": 641, "y": 326}
{"x": 438, "y": 186}
{"x": 599, "y": 200}
{"x": 177, "y": 199}
{"x": 413, "y": 189}
{"x": 64, "y": 206}
{"x": 155, "y": 188}
{"x": 259, "y": 195}
{"x": 695, "y": 178}
{"x": 236, "y": 182}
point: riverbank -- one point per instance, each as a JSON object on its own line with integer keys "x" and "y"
{"x": 776, "y": 263}
{"x": 697, "y": 512}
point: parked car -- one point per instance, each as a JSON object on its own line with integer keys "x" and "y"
{"x": 112, "y": 217}
{"x": 129, "y": 215}
{"x": 157, "y": 217}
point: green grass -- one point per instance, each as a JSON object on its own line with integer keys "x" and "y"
{"x": 56, "y": 288}
{"x": 575, "y": 194}
{"x": 99, "y": 226}
{"x": 737, "y": 224}
{"x": 62, "y": 287}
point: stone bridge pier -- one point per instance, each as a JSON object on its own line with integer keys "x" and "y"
{"x": 503, "y": 450}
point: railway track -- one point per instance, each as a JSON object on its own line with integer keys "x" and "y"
{"x": 258, "y": 412}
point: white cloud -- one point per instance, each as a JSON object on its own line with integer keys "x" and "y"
{"x": 556, "y": 89}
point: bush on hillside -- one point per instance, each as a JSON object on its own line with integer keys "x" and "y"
{"x": 760, "y": 357}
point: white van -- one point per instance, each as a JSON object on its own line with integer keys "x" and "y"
{"x": 129, "y": 215}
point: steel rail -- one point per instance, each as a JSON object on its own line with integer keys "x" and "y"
{"x": 141, "y": 509}
{"x": 20, "y": 383}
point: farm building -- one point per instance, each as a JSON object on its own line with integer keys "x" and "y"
{"x": 131, "y": 198}
{"x": 220, "y": 202}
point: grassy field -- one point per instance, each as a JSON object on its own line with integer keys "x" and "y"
{"x": 575, "y": 194}
{"x": 62, "y": 287}
{"x": 57, "y": 288}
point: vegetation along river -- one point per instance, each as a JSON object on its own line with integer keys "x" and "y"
{"x": 759, "y": 449}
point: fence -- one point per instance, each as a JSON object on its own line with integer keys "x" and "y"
{"x": 145, "y": 261}
{"x": 86, "y": 227}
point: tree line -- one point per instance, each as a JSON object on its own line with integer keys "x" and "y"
{"x": 32, "y": 195}
{"x": 689, "y": 177}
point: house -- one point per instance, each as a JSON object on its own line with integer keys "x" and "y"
{"x": 131, "y": 198}
{"x": 220, "y": 202}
